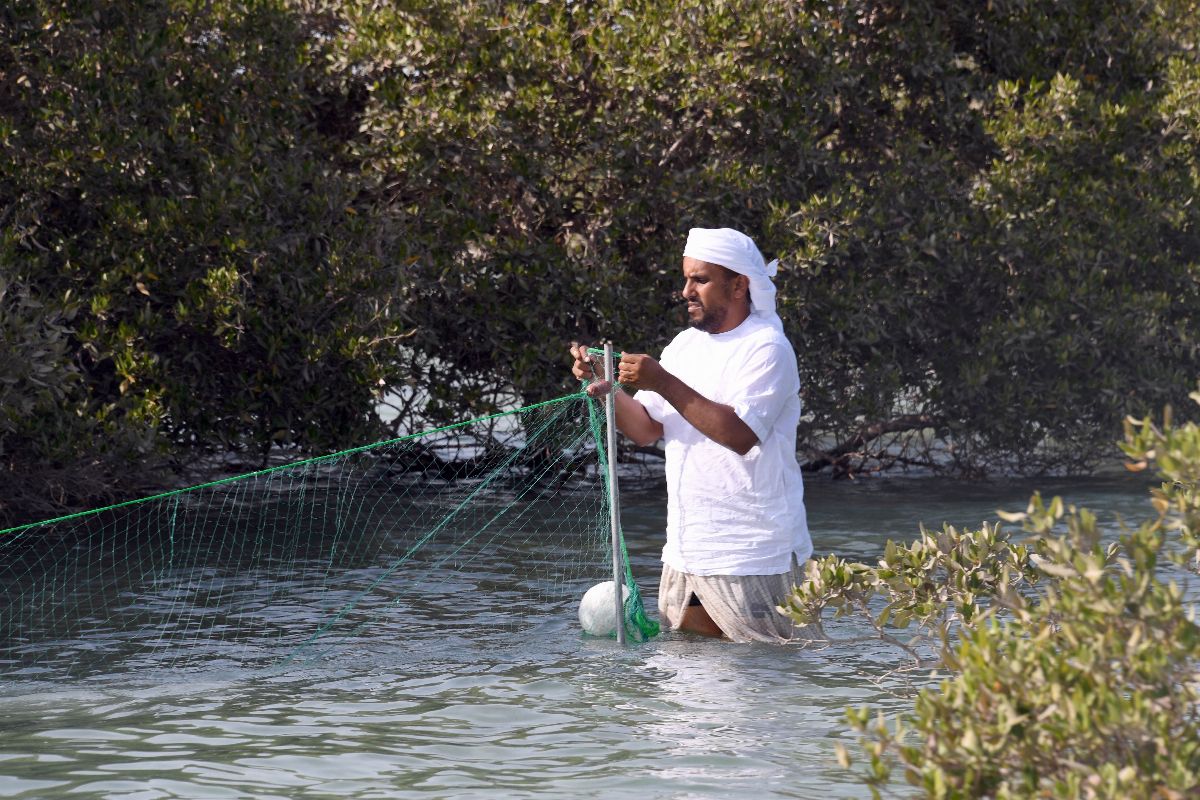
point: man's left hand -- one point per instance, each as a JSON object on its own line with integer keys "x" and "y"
{"x": 640, "y": 371}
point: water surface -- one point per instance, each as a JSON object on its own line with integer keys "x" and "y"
{"x": 483, "y": 707}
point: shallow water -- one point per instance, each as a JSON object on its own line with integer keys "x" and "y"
{"x": 480, "y": 711}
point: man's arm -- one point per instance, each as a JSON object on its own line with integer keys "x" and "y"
{"x": 717, "y": 421}
{"x": 632, "y": 418}
{"x": 634, "y": 421}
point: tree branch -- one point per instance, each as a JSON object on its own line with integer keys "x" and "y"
{"x": 868, "y": 433}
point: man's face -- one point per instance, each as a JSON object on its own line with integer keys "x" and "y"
{"x": 716, "y": 297}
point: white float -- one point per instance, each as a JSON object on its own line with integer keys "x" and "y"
{"x": 598, "y": 609}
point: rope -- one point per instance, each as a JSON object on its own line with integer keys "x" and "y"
{"x": 292, "y": 465}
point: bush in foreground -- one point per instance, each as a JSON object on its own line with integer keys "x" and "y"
{"x": 1072, "y": 662}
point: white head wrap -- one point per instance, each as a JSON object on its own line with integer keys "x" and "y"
{"x": 737, "y": 251}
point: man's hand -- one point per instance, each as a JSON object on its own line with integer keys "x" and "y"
{"x": 640, "y": 371}
{"x": 632, "y": 419}
{"x": 717, "y": 421}
{"x": 584, "y": 370}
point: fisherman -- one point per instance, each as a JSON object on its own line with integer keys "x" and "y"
{"x": 724, "y": 398}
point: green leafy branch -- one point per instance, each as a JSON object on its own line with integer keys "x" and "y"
{"x": 934, "y": 585}
{"x": 1087, "y": 687}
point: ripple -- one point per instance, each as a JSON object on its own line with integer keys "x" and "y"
{"x": 522, "y": 707}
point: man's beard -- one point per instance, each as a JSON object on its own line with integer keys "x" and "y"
{"x": 709, "y": 320}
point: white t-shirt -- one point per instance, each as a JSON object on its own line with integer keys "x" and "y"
{"x": 729, "y": 514}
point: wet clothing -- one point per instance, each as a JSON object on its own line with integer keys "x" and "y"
{"x": 742, "y": 606}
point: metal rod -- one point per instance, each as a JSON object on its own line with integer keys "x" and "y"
{"x": 614, "y": 507}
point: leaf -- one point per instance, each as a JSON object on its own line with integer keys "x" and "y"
{"x": 1058, "y": 570}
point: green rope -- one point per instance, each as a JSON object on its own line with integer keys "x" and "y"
{"x": 292, "y": 465}
{"x": 640, "y": 627}
{"x": 298, "y": 559}
{"x": 446, "y": 520}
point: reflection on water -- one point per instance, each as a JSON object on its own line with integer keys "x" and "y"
{"x": 443, "y": 694}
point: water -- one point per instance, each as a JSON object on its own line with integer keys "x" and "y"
{"x": 474, "y": 711}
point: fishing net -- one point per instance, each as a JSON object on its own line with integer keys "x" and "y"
{"x": 380, "y": 542}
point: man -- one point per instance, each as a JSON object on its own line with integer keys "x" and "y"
{"x": 725, "y": 400}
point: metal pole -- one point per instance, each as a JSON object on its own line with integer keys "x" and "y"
{"x": 614, "y": 508}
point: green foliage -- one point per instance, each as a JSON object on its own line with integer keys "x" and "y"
{"x": 254, "y": 220}
{"x": 960, "y": 193}
{"x": 45, "y": 414}
{"x": 35, "y": 370}
{"x": 939, "y": 582}
{"x": 1175, "y": 452}
{"x": 1039, "y": 224}
{"x": 173, "y": 200}
{"x": 1081, "y": 685}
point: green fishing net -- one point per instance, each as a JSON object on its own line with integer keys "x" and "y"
{"x": 497, "y": 523}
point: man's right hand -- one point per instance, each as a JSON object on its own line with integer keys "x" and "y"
{"x": 584, "y": 370}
